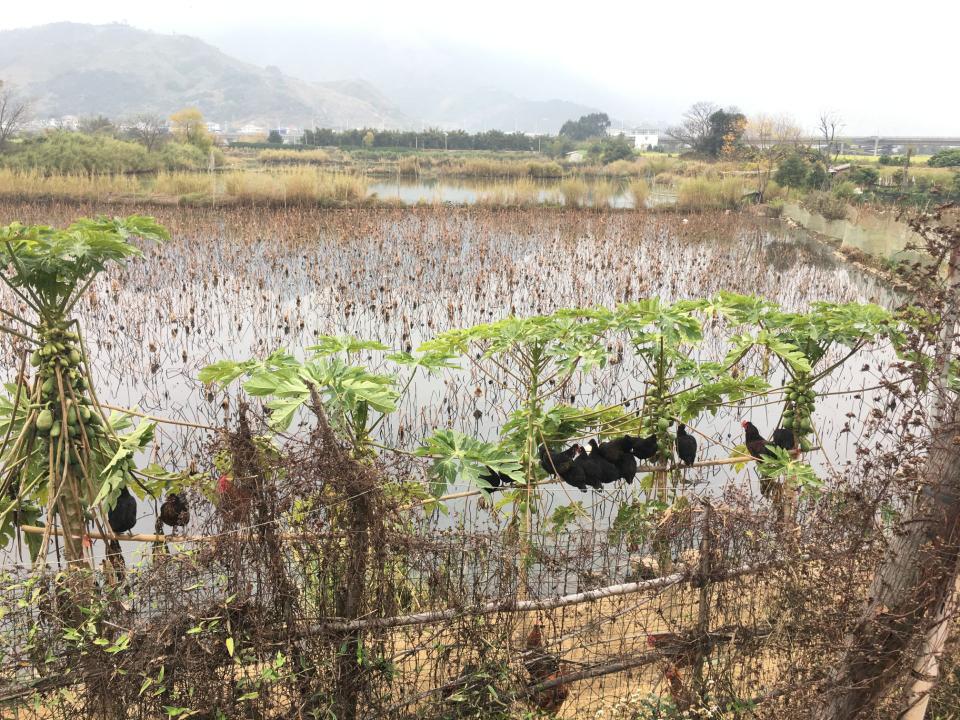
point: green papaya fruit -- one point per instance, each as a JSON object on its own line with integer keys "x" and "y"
{"x": 45, "y": 421}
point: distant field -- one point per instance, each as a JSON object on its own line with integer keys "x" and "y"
{"x": 914, "y": 159}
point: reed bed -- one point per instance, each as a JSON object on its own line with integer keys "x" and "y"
{"x": 184, "y": 183}
{"x": 495, "y": 168}
{"x": 700, "y": 193}
{"x": 575, "y": 192}
{"x": 519, "y": 193}
{"x": 602, "y": 192}
{"x": 295, "y": 186}
{"x": 639, "y": 191}
{"x": 294, "y": 157}
{"x": 27, "y": 184}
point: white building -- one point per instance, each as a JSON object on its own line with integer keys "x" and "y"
{"x": 642, "y": 138}
{"x": 646, "y": 138}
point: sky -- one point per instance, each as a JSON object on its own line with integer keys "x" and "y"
{"x": 883, "y": 67}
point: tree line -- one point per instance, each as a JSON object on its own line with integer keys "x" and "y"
{"x": 429, "y": 139}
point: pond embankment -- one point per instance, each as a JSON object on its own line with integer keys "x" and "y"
{"x": 880, "y": 234}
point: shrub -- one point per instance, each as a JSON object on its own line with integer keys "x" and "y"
{"x": 775, "y": 207}
{"x": 826, "y": 204}
{"x": 609, "y": 149}
{"x": 73, "y": 153}
{"x": 865, "y": 176}
{"x": 945, "y": 158}
{"x": 181, "y": 156}
{"x": 799, "y": 170}
{"x": 536, "y": 169}
{"x": 845, "y": 190}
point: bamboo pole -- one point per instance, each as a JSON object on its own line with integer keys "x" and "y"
{"x": 521, "y": 606}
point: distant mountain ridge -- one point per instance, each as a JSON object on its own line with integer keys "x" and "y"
{"x": 118, "y": 71}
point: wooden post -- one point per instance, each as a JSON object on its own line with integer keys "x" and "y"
{"x": 704, "y": 569}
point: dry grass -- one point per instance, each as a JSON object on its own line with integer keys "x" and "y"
{"x": 639, "y": 191}
{"x": 297, "y": 186}
{"x": 601, "y": 193}
{"x": 294, "y": 157}
{"x": 575, "y": 192}
{"x": 184, "y": 183}
{"x": 33, "y": 184}
{"x": 520, "y": 193}
{"x": 496, "y": 168}
{"x": 700, "y": 193}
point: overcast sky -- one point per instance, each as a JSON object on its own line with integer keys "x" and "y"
{"x": 883, "y": 66}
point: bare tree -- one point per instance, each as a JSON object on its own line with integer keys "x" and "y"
{"x": 830, "y": 125}
{"x": 149, "y": 130}
{"x": 770, "y": 139}
{"x": 14, "y": 113}
{"x": 696, "y": 126}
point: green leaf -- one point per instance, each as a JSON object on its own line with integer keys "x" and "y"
{"x": 458, "y": 456}
{"x": 225, "y": 372}
{"x": 330, "y": 345}
{"x": 229, "y": 644}
{"x": 112, "y": 477}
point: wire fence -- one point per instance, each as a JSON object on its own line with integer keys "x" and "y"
{"x": 352, "y": 607}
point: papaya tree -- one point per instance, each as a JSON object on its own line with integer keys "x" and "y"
{"x": 806, "y": 346}
{"x": 61, "y": 457}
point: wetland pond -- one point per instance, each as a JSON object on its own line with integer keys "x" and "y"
{"x": 240, "y": 282}
{"x": 615, "y": 193}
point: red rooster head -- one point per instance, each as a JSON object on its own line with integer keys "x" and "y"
{"x": 224, "y": 484}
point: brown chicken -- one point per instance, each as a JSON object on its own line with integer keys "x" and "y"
{"x": 544, "y": 666}
{"x": 174, "y": 511}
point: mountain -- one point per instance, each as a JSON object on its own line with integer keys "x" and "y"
{"x": 118, "y": 71}
{"x": 432, "y": 81}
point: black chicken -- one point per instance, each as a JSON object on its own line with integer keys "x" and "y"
{"x": 784, "y": 438}
{"x": 619, "y": 452}
{"x": 123, "y": 516}
{"x": 597, "y": 472}
{"x": 554, "y": 463}
{"x": 686, "y": 446}
{"x": 760, "y": 448}
{"x": 757, "y": 445}
{"x": 645, "y": 448}
{"x": 495, "y": 480}
{"x": 174, "y": 511}
{"x": 564, "y": 465}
